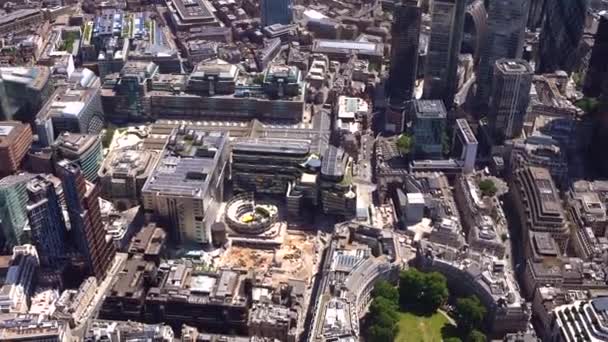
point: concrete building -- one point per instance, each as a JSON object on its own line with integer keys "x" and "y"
{"x": 539, "y": 207}
{"x": 185, "y": 15}
{"x": 428, "y": 126}
{"x": 20, "y": 20}
{"x": 48, "y": 228}
{"x": 20, "y": 280}
{"x": 275, "y": 12}
{"x": 30, "y": 328}
{"x": 149, "y": 242}
{"x": 404, "y": 55}
{"x": 124, "y": 173}
{"x": 490, "y": 279}
{"x": 561, "y": 34}
{"x": 440, "y": 71}
{"x": 23, "y": 91}
{"x": 510, "y": 97}
{"x": 13, "y": 213}
{"x": 587, "y": 208}
{"x": 86, "y": 226}
{"x": 540, "y": 151}
{"x": 83, "y": 149}
{"x": 504, "y": 39}
{"x": 464, "y": 145}
{"x": 581, "y": 320}
{"x": 15, "y": 140}
{"x": 75, "y": 107}
{"x": 106, "y": 330}
{"x": 186, "y": 187}
{"x": 337, "y": 192}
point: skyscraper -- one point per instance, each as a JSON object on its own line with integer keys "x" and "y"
{"x": 504, "y": 39}
{"x": 404, "y": 52}
{"x": 561, "y": 35}
{"x": 429, "y": 124}
{"x": 276, "y": 12}
{"x": 596, "y": 79}
{"x": 46, "y": 220}
{"x": 510, "y": 97}
{"x": 13, "y": 216}
{"x": 447, "y": 26}
{"x": 86, "y": 226}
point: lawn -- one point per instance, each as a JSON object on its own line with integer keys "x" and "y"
{"x": 414, "y": 328}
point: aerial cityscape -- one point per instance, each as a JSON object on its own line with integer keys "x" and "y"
{"x": 304, "y": 170}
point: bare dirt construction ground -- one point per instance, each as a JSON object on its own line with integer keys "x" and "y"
{"x": 295, "y": 259}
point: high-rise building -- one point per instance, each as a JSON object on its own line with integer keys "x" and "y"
{"x": 596, "y": 79}
{"x": 561, "y": 34}
{"x": 186, "y": 187}
{"x": 23, "y": 90}
{"x": 510, "y": 97}
{"x": 83, "y": 149}
{"x": 46, "y": 220}
{"x": 404, "y": 53}
{"x": 86, "y": 225}
{"x": 447, "y": 24}
{"x": 15, "y": 140}
{"x": 13, "y": 215}
{"x": 75, "y": 107}
{"x": 504, "y": 39}
{"x": 429, "y": 124}
{"x": 464, "y": 145}
{"x": 276, "y": 12}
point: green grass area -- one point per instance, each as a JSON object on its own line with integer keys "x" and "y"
{"x": 414, "y": 328}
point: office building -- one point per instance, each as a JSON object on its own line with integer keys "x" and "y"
{"x": 20, "y": 280}
{"x": 13, "y": 213}
{"x": 209, "y": 79}
{"x": 596, "y": 82}
{"x": 539, "y": 207}
{"x": 217, "y": 301}
{"x": 475, "y": 28}
{"x": 587, "y": 209}
{"x": 48, "y": 229}
{"x": 123, "y": 174}
{"x": 275, "y": 12}
{"x": 86, "y": 226}
{"x": 149, "y": 242}
{"x": 342, "y": 50}
{"x": 106, "y": 330}
{"x": 186, "y": 188}
{"x": 337, "y": 192}
{"x": 536, "y": 14}
{"x": 186, "y": 14}
{"x": 582, "y": 320}
{"x": 74, "y": 107}
{"x": 267, "y": 166}
{"x": 23, "y": 91}
{"x": 561, "y": 35}
{"x": 490, "y": 279}
{"x": 20, "y": 20}
{"x": 15, "y": 141}
{"x": 440, "y": 71}
{"x": 504, "y": 39}
{"x": 30, "y": 328}
{"x": 83, "y": 149}
{"x": 428, "y": 128}
{"x": 404, "y": 53}
{"x": 464, "y": 145}
{"x": 540, "y": 151}
{"x": 509, "y": 97}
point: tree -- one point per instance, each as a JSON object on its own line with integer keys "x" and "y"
{"x": 487, "y": 187}
{"x": 385, "y": 289}
{"x": 107, "y": 138}
{"x": 588, "y": 104}
{"x": 381, "y": 333}
{"x": 411, "y": 284}
{"x": 452, "y": 339}
{"x": 435, "y": 291}
{"x": 469, "y": 313}
{"x": 405, "y": 143}
{"x": 476, "y": 336}
{"x": 382, "y": 305}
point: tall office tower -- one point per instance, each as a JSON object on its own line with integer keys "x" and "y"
{"x": 83, "y": 149}
{"x": 504, "y": 39}
{"x": 464, "y": 145}
{"x": 447, "y": 24}
{"x": 536, "y": 14}
{"x": 510, "y": 97}
{"x": 561, "y": 35}
{"x": 276, "y": 12}
{"x": 86, "y": 226}
{"x": 13, "y": 216}
{"x": 404, "y": 52}
{"x": 596, "y": 80}
{"x": 46, "y": 220}
{"x": 429, "y": 124}
{"x": 475, "y": 28}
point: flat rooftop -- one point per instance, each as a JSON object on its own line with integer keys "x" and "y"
{"x": 347, "y": 47}
{"x": 271, "y": 146}
{"x": 430, "y": 109}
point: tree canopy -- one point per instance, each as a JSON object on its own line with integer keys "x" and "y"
{"x": 487, "y": 187}
{"x": 469, "y": 313}
{"x": 385, "y": 289}
{"x": 422, "y": 291}
{"x": 383, "y": 315}
{"x": 405, "y": 143}
{"x": 476, "y": 336}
